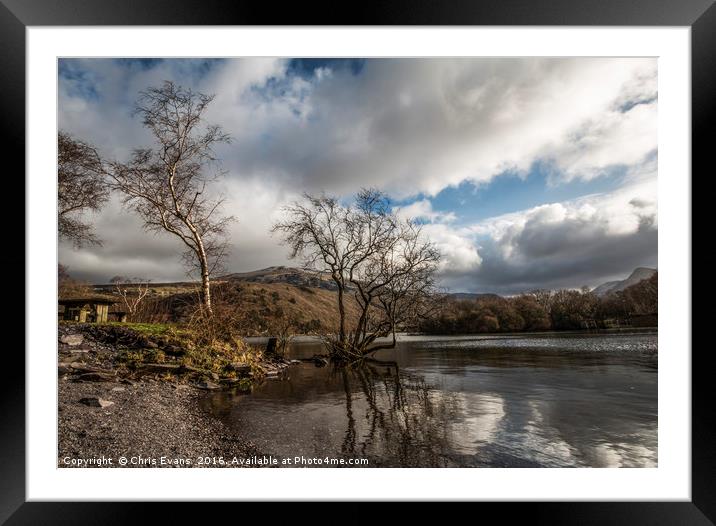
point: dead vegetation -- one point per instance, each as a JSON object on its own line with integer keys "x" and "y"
{"x": 196, "y": 351}
{"x": 254, "y": 309}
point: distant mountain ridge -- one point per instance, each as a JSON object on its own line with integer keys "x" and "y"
{"x": 314, "y": 279}
{"x": 282, "y": 274}
{"x": 306, "y": 278}
{"x": 611, "y": 287}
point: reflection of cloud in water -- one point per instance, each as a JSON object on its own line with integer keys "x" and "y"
{"x": 549, "y": 446}
{"x": 544, "y": 441}
{"x": 483, "y": 415}
{"x": 624, "y": 456}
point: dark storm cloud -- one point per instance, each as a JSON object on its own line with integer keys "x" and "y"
{"x": 570, "y": 264}
{"x": 573, "y": 244}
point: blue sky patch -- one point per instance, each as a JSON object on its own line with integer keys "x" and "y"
{"x": 306, "y": 67}
{"x": 510, "y": 192}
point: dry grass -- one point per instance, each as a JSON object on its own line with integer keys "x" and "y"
{"x": 200, "y": 346}
{"x": 266, "y": 308}
{"x": 257, "y": 309}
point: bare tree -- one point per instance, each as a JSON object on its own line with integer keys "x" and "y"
{"x": 369, "y": 252}
{"x": 132, "y": 291}
{"x": 167, "y": 185}
{"x": 81, "y": 187}
{"x": 69, "y": 287}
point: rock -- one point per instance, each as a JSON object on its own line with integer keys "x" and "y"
{"x": 80, "y": 368}
{"x": 174, "y": 350}
{"x": 63, "y": 369}
{"x": 118, "y": 389}
{"x": 96, "y": 377}
{"x": 160, "y": 367}
{"x": 96, "y": 402}
{"x": 215, "y": 377}
{"x": 319, "y": 361}
{"x": 241, "y": 369}
{"x": 294, "y": 362}
{"x": 149, "y": 344}
{"x": 209, "y": 386}
{"x": 71, "y": 339}
{"x": 183, "y": 368}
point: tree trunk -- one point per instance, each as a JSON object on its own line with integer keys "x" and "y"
{"x": 205, "y": 293}
{"x": 342, "y": 314}
{"x": 205, "y": 283}
{"x": 205, "y": 289}
{"x": 362, "y": 322}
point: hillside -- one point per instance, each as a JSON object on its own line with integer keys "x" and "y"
{"x": 267, "y": 307}
{"x": 281, "y": 299}
{"x": 269, "y": 300}
{"x": 258, "y": 308}
{"x": 610, "y": 287}
{"x": 281, "y": 274}
{"x": 155, "y": 289}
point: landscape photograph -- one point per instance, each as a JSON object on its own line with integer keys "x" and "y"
{"x": 357, "y": 262}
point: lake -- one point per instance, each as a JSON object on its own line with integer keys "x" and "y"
{"x": 537, "y": 400}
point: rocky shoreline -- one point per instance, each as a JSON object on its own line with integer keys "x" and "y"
{"x": 108, "y": 412}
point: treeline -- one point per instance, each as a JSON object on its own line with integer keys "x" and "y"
{"x": 547, "y": 310}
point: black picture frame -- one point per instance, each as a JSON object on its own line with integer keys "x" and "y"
{"x": 16, "y": 15}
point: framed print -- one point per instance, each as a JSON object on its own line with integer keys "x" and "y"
{"x": 417, "y": 256}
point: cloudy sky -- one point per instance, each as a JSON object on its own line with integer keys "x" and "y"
{"x": 527, "y": 173}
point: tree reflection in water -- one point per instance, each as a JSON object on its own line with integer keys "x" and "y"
{"x": 405, "y": 419}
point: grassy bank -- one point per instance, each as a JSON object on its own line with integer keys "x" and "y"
{"x": 172, "y": 351}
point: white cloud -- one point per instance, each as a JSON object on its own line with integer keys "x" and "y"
{"x": 413, "y": 126}
{"x": 257, "y": 207}
{"x": 410, "y": 127}
{"x": 423, "y": 210}
{"x": 457, "y": 247}
{"x": 615, "y": 138}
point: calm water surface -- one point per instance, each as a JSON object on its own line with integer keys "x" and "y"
{"x": 548, "y": 400}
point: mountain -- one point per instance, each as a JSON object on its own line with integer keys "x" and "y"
{"x": 610, "y": 287}
{"x": 314, "y": 279}
{"x": 604, "y": 288}
{"x": 280, "y": 274}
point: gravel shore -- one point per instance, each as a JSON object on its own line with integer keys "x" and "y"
{"x": 150, "y": 423}
{"x": 147, "y": 420}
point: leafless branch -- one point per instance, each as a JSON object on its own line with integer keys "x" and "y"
{"x": 369, "y": 251}
{"x": 167, "y": 185}
{"x": 81, "y": 188}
